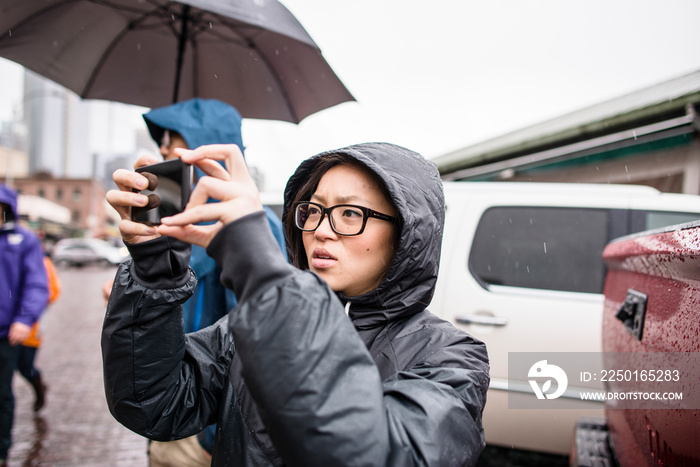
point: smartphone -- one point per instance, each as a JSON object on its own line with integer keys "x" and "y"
{"x": 169, "y": 188}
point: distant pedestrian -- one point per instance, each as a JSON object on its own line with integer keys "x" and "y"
{"x": 30, "y": 346}
{"x": 23, "y": 297}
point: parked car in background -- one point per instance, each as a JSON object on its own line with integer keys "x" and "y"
{"x": 522, "y": 270}
{"x": 82, "y": 251}
{"x": 652, "y": 320}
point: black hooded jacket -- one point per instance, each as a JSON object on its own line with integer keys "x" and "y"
{"x": 289, "y": 377}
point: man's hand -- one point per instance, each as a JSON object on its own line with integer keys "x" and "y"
{"x": 18, "y": 333}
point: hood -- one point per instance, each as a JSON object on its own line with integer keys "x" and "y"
{"x": 199, "y": 121}
{"x": 9, "y": 196}
{"x": 416, "y": 190}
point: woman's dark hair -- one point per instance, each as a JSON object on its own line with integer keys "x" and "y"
{"x": 296, "y": 252}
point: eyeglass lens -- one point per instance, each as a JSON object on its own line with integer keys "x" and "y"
{"x": 345, "y": 220}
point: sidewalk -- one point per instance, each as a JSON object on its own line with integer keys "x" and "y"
{"x": 75, "y": 427}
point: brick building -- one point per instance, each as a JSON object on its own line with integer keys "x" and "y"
{"x": 84, "y": 197}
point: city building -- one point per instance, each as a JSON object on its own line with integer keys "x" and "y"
{"x": 57, "y": 153}
{"x": 90, "y": 215}
{"x": 57, "y": 122}
{"x": 14, "y": 160}
{"x": 13, "y": 163}
{"x": 60, "y": 151}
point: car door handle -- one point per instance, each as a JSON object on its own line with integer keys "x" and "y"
{"x": 481, "y": 319}
{"x": 633, "y": 311}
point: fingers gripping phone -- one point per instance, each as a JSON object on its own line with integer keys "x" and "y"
{"x": 169, "y": 187}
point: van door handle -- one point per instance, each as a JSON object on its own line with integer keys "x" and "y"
{"x": 481, "y": 319}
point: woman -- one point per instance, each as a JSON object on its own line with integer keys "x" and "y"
{"x": 335, "y": 362}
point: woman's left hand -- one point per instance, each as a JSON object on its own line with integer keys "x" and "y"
{"x": 233, "y": 187}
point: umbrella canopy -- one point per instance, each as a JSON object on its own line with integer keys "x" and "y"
{"x": 253, "y": 54}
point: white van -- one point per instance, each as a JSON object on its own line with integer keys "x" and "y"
{"x": 521, "y": 269}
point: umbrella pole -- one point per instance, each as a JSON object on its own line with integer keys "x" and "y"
{"x": 181, "y": 50}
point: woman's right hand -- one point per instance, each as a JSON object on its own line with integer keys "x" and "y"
{"x": 123, "y": 199}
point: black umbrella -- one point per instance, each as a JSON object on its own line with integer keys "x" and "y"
{"x": 253, "y": 54}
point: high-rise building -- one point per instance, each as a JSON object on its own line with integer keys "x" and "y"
{"x": 71, "y": 137}
{"x": 46, "y": 107}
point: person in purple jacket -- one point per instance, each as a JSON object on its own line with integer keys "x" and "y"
{"x": 23, "y": 297}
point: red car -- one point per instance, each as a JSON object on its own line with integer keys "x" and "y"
{"x": 651, "y": 345}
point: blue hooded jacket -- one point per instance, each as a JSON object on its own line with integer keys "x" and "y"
{"x": 200, "y": 122}
{"x": 23, "y": 285}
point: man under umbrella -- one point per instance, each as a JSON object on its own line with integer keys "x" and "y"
{"x": 191, "y": 124}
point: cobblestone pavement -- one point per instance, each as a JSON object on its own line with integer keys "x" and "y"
{"x": 75, "y": 427}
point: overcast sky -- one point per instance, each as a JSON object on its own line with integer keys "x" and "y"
{"x": 437, "y": 76}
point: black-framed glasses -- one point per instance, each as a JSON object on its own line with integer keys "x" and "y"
{"x": 345, "y": 219}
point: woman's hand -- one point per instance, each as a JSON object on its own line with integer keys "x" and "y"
{"x": 234, "y": 187}
{"x": 123, "y": 199}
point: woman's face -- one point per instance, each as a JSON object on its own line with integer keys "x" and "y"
{"x": 351, "y": 265}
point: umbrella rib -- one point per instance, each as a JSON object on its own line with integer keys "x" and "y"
{"x": 31, "y": 17}
{"x": 199, "y": 27}
{"x": 103, "y": 58}
{"x": 285, "y": 96}
{"x": 182, "y": 38}
{"x": 131, "y": 25}
{"x": 121, "y": 7}
{"x": 248, "y": 42}
{"x": 195, "y": 61}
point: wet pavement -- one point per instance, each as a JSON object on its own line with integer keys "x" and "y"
{"x": 75, "y": 427}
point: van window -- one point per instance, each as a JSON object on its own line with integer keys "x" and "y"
{"x": 646, "y": 220}
{"x": 541, "y": 248}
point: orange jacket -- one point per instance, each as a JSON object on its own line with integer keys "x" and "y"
{"x": 34, "y": 340}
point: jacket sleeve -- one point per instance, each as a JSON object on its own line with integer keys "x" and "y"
{"x": 318, "y": 389}
{"x": 158, "y": 382}
{"x": 435, "y": 408}
{"x": 277, "y": 229}
{"x": 35, "y": 289}
{"x": 278, "y": 233}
